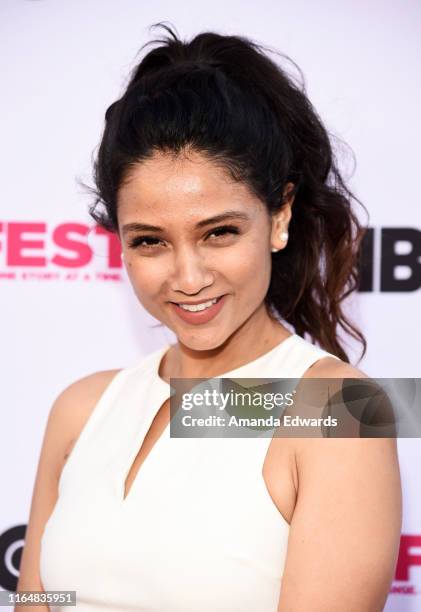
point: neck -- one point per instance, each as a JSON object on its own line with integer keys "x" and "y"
{"x": 257, "y": 336}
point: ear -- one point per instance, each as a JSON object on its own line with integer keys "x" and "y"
{"x": 281, "y": 219}
{"x": 287, "y": 195}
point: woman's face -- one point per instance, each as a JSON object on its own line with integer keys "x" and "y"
{"x": 189, "y": 257}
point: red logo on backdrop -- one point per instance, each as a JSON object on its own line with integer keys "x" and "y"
{"x": 69, "y": 251}
{"x": 409, "y": 557}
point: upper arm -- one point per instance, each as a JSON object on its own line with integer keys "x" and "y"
{"x": 68, "y": 415}
{"x": 344, "y": 534}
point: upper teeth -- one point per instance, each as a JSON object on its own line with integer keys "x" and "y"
{"x": 196, "y": 307}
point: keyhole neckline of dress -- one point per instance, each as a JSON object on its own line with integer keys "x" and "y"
{"x": 163, "y": 392}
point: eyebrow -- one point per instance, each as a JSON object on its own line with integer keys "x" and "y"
{"x": 229, "y": 214}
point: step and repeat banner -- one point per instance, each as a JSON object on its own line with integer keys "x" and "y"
{"x": 67, "y": 308}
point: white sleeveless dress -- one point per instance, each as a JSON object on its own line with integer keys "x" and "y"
{"x": 198, "y": 530}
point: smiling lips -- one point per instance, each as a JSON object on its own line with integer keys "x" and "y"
{"x": 195, "y": 307}
{"x": 199, "y": 313}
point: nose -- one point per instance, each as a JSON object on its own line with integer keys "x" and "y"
{"x": 191, "y": 272}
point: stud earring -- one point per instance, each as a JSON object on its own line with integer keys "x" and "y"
{"x": 284, "y": 237}
{"x": 122, "y": 255}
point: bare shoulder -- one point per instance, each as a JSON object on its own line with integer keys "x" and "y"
{"x": 66, "y": 419}
{"x": 330, "y": 367}
{"x": 74, "y": 404}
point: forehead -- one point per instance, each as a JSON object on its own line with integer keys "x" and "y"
{"x": 187, "y": 184}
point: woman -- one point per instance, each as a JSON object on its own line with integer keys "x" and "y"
{"x": 235, "y": 226}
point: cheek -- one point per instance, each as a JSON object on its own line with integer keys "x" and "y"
{"x": 248, "y": 269}
{"x": 145, "y": 278}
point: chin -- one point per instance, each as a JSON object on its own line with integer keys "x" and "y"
{"x": 197, "y": 342}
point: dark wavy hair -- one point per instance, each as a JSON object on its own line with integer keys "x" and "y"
{"x": 222, "y": 96}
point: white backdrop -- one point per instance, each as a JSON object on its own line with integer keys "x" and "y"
{"x": 65, "y": 314}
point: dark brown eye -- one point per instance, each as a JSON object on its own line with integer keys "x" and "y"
{"x": 223, "y": 230}
{"x": 149, "y": 241}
